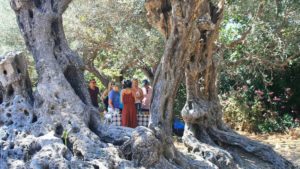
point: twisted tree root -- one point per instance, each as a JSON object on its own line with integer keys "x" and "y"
{"x": 260, "y": 150}
{"x": 207, "y": 150}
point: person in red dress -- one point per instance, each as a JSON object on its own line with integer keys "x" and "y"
{"x": 129, "y": 117}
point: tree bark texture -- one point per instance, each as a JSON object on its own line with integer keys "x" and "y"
{"x": 191, "y": 29}
{"x": 205, "y": 133}
{"x": 179, "y": 21}
{"x": 57, "y": 128}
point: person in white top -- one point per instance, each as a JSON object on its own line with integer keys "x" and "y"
{"x": 138, "y": 95}
{"x": 147, "y": 91}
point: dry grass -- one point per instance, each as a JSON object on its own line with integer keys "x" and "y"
{"x": 288, "y": 144}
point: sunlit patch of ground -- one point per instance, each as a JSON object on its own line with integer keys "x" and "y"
{"x": 288, "y": 144}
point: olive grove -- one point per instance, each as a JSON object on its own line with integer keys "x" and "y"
{"x": 56, "y": 127}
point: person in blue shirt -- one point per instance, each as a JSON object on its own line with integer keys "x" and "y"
{"x": 114, "y": 99}
{"x": 121, "y": 104}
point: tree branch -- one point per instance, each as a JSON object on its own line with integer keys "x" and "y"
{"x": 88, "y": 60}
{"x": 239, "y": 41}
{"x": 148, "y": 72}
{"x": 158, "y": 15}
{"x": 62, "y": 5}
{"x": 273, "y": 64}
{"x": 103, "y": 78}
{"x": 242, "y": 39}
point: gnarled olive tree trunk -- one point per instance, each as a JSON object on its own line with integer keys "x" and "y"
{"x": 191, "y": 29}
{"x": 57, "y": 131}
{"x": 205, "y": 133}
{"x": 179, "y": 22}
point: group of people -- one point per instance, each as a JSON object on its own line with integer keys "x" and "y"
{"x": 129, "y": 101}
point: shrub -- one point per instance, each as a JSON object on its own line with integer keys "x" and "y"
{"x": 258, "y": 110}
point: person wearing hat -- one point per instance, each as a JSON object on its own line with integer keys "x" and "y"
{"x": 114, "y": 98}
{"x": 147, "y": 92}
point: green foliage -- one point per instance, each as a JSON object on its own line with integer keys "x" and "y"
{"x": 263, "y": 106}
{"x": 10, "y": 36}
{"x": 255, "y": 116}
{"x": 88, "y": 76}
{"x": 65, "y": 137}
{"x": 278, "y": 125}
{"x": 116, "y": 32}
{"x": 259, "y": 77}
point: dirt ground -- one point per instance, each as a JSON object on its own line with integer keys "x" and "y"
{"x": 287, "y": 144}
